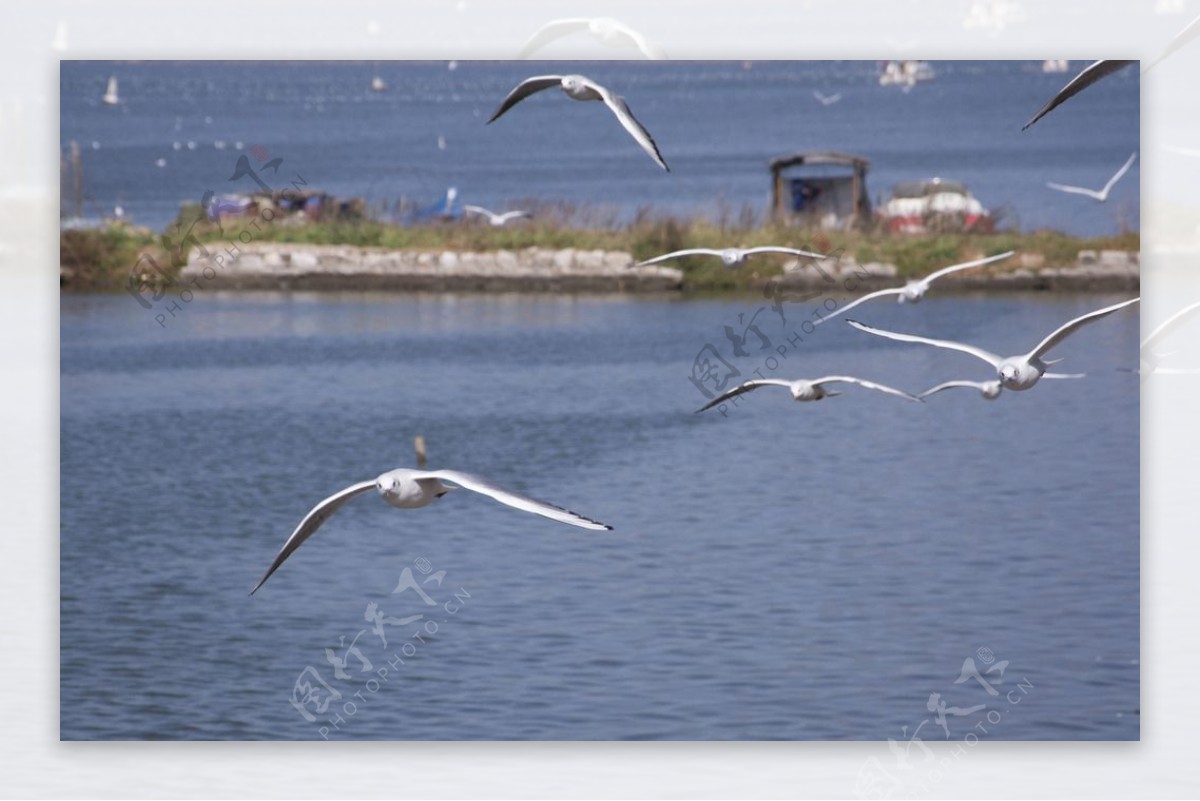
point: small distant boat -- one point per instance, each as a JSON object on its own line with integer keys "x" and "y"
{"x": 1055, "y": 65}
{"x": 934, "y": 206}
{"x": 378, "y": 84}
{"x": 905, "y": 73}
{"x": 111, "y": 97}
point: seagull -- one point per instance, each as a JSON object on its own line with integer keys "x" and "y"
{"x": 607, "y": 30}
{"x": 579, "y": 87}
{"x": 1101, "y": 195}
{"x": 914, "y": 290}
{"x": 827, "y": 100}
{"x": 497, "y": 220}
{"x": 412, "y": 489}
{"x": 1090, "y": 74}
{"x": 1014, "y": 372}
{"x": 736, "y": 257}
{"x": 803, "y": 390}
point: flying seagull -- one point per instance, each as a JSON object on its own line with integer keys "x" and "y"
{"x": 412, "y": 489}
{"x": 914, "y": 290}
{"x": 606, "y": 29}
{"x": 497, "y": 220}
{"x": 827, "y": 100}
{"x": 1090, "y": 74}
{"x": 579, "y": 87}
{"x": 1014, "y": 372}
{"x": 1101, "y": 195}
{"x": 803, "y": 390}
{"x": 736, "y": 257}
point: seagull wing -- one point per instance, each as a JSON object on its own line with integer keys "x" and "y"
{"x": 979, "y": 385}
{"x": 311, "y": 522}
{"x": 1119, "y": 174}
{"x": 1067, "y": 329}
{"x": 789, "y": 251}
{"x": 1090, "y": 74}
{"x": 523, "y": 90}
{"x": 478, "y": 210}
{"x": 552, "y": 30}
{"x": 680, "y": 253}
{"x": 964, "y": 266}
{"x": 1169, "y": 323}
{"x": 1077, "y": 190}
{"x": 804, "y": 254}
{"x": 515, "y": 499}
{"x": 647, "y": 48}
{"x": 978, "y": 353}
{"x": 743, "y": 388}
{"x": 618, "y": 106}
{"x": 845, "y": 379}
{"x": 879, "y": 293}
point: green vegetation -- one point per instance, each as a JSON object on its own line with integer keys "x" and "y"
{"x": 102, "y": 259}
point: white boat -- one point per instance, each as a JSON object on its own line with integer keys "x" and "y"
{"x": 934, "y": 205}
{"x": 111, "y": 97}
{"x": 905, "y": 73}
{"x": 378, "y": 84}
{"x": 1055, "y": 65}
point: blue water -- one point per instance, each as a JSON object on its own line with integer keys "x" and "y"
{"x": 798, "y": 571}
{"x": 717, "y": 125}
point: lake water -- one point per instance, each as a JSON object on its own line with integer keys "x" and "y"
{"x": 717, "y": 123}
{"x": 795, "y": 571}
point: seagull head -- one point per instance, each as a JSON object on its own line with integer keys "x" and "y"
{"x": 1008, "y": 372}
{"x": 912, "y": 293}
{"x": 572, "y": 82}
{"x": 732, "y": 257}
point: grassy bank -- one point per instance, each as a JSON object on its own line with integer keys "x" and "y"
{"x": 101, "y": 260}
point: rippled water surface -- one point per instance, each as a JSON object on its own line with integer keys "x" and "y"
{"x": 786, "y": 570}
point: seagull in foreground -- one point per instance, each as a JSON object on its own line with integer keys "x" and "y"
{"x": 1101, "y": 195}
{"x": 412, "y": 489}
{"x": 497, "y": 220}
{"x": 579, "y": 87}
{"x": 736, "y": 257}
{"x": 1014, "y": 372}
{"x": 1090, "y": 74}
{"x": 827, "y": 100}
{"x": 803, "y": 390}
{"x": 914, "y": 290}
{"x": 606, "y": 29}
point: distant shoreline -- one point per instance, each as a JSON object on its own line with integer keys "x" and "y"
{"x": 553, "y": 258}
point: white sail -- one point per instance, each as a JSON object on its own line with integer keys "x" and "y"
{"x": 111, "y": 97}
